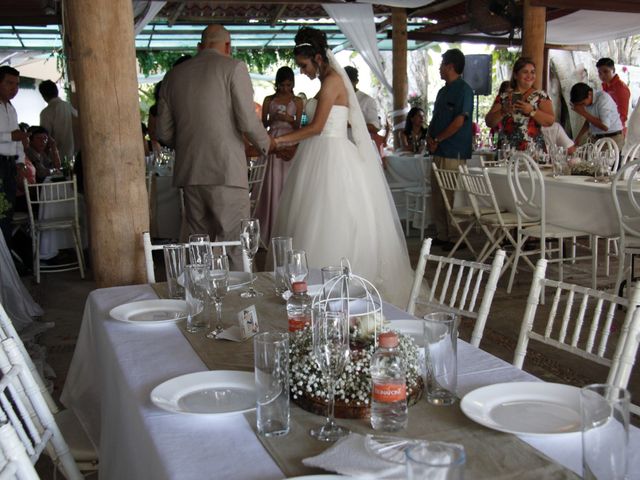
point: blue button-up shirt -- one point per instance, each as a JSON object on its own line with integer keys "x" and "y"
{"x": 606, "y": 110}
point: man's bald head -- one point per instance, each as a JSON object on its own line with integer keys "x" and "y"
{"x": 216, "y": 37}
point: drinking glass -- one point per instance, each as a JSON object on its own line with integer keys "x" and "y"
{"x": 219, "y": 283}
{"x": 330, "y": 331}
{"x": 175, "y": 258}
{"x": 297, "y": 268}
{"x": 200, "y": 249}
{"x": 271, "y": 366}
{"x": 440, "y": 340}
{"x": 281, "y": 246}
{"x": 250, "y": 239}
{"x": 429, "y": 460}
{"x": 605, "y": 432}
{"x": 197, "y": 297}
{"x": 603, "y": 170}
{"x": 327, "y": 274}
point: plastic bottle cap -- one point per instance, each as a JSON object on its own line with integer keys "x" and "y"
{"x": 388, "y": 340}
{"x": 299, "y": 287}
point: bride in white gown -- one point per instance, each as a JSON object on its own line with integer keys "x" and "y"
{"x": 336, "y": 202}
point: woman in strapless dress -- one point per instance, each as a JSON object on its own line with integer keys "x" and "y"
{"x": 336, "y": 202}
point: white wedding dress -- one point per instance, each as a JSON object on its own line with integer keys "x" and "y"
{"x": 335, "y": 204}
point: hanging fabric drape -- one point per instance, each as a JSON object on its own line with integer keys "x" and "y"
{"x": 358, "y": 25}
{"x": 145, "y": 12}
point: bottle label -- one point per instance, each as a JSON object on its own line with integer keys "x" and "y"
{"x": 389, "y": 392}
{"x": 299, "y": 322}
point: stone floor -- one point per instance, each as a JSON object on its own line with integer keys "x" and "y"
{"x": 63, "y": 297}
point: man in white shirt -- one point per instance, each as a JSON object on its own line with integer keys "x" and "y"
{"x": 600, "y": 113}
{"x": 11, "y": 147}
{"x": 555, "y": 136}
{"x": 57, "y": 117}
{"x": 367, "y": 104}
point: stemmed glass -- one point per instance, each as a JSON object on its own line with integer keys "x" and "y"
{"x": 200, "y": 249}
{"x": 250, "y": 239}
{"x": 297, "y": 268}
{"x": 330, "y": 332}
{"x": 219, "y": 283}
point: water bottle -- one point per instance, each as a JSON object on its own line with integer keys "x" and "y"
{"x": 388, "y": 386}
{"x": 299, "y": 307}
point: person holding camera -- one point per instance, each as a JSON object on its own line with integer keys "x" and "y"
{"x": 522, "y": 110}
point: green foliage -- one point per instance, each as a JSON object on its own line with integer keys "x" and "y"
{"x": 260, "y": 59}
{"x": 152, "y": 62}
{"x": 5, "y": 206}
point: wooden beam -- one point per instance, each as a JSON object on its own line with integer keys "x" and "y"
{"x": 443, "y": 37}
{"x": 102, "y": 44}
{"x": 400, "y": 80}
{"x": 625, "y": 6}
{"x": 174, "y": 16}
{"x": 426, "y": 11}
{"x": 278, "y": 14}
{"x": 534, "y": 30}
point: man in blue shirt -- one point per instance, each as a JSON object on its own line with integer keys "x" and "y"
{"x": 600, "y": 113}
{"x": 450, "y": 135}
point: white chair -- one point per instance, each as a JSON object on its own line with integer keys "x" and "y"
{"x": 149, "y": 248}
{"x": 628, "y": 210}
{"x": 449, "y": 184}
{"x": 257, "y": 170}
{"x": 81, "y": 447}
{"x": 456, "y": 285}
{"x": 579, "y": 322}
{"x": 22, "y": 405}
{"x": 416, "y": 199}
{"x": 632, "y": 153}
{"x": 50, "y": 193}
{"x": 490, "y": 163}
{"x": 526, "y": 184}
{"x": 14, "y": 461}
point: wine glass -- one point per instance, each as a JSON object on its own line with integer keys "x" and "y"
{"x": 250, "y": 239}
{"x": 200, "y": 249}
{"x": 219, "y": 284}
{"x": 330, "y": 332}
{"x": 297, "y": 268}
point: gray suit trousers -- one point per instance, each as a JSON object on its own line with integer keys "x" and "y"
{"x": 217, "y": 210}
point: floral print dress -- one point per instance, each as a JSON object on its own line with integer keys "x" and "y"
{"x": 518, "y": 130}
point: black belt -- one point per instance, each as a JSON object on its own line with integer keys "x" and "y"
{"x": 9, "y": 157}
{"x": 606, "y": 135}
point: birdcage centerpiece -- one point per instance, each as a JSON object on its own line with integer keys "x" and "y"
{"x": 360, "y": 303}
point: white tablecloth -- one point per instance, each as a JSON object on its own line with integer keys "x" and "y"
{"x": 408, "y": 171}
{"x": 51, "y": 241}
{"x": 116, "y": 365}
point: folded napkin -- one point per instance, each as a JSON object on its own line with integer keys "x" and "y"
{"x": 350, "y": 456}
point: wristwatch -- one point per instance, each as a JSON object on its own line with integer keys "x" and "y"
{"x": 436, "y": 139}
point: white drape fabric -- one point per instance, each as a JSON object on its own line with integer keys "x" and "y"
{"x": 145, "y": 12}
{"x": 588, "y": 26}
{"x": 633, "y": 131}
{"x": 358, "y": 25}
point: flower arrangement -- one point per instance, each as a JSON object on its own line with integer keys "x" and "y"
{"x": 5, "y": 206}
{"x": 353, "y": 387}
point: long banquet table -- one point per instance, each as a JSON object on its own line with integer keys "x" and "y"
{"x": 116, "y": 365}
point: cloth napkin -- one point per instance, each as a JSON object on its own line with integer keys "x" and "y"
{"x": 350, "y": 456}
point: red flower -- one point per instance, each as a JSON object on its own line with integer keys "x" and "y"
{"x": 532, "y": 129}
{"x": 523, "y": 145}
{"x": 508, "y": 126}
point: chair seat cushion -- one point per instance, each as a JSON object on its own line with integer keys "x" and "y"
{"x": 552, "y": 231}
{"x": 509, "y": 219}
{"x": 79, "y": 444}
{"x": 55, "y": 223}
{"x": 468, "y": 211}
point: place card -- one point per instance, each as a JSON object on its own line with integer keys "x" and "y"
{"x": 248, "y": 321}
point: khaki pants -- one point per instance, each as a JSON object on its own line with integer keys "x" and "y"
{"x": 217, "y": 210}
{"x": 439, "y": 210}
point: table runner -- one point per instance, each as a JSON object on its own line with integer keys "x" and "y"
{"x": 490, "y": 454}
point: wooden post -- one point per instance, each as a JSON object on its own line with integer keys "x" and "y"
{"x": 400, "y": 82}
{"x": 534, "y": 32}
{"x": 101, "y": 37}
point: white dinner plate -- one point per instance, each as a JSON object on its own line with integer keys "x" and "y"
{"x": 216, "y": 392}
{"x": 413, "y": 328}
{"x": 151, "y": 312}
{"x": 525, "y": 408}
{"x": 326, "y": 476}
{"x": 312, "y": 291}
{"x": 236, "y": 280}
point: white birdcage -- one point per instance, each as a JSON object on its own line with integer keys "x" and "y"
{"x": 358, "y": 298}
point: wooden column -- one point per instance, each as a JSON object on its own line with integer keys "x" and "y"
{"x": 400, "y": 82}
{"x": 101, "y": 38}
{"x": 534, "y": 32}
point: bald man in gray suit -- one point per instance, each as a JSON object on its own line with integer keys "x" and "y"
{"x": 205, "y": 108}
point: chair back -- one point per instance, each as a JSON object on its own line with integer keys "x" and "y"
{"x": 579, "y": 322}
{"x": 22, "y": 405}
{"x": 477, "y": 186}
{"x": 51, "y": 192}
{"x": 257, "y": 170}
{"x": 448, "y": 181}
{"x": 605, "y": 144}
{"x": 630, "y": 154}
{"x": 485, "y": 163}
{"x": 624, "y": 198}
{"x": 149, "y": 248}
{"x": 14, "y": 461}
{"x": 526, "y": 185}
{"x": 456, "y": 286}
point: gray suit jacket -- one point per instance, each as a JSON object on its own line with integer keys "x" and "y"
{"x": 205, "y": 106}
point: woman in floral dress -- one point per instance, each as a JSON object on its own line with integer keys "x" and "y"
{"x": 522, "y": 110}
{"x": 281, "y": 114}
